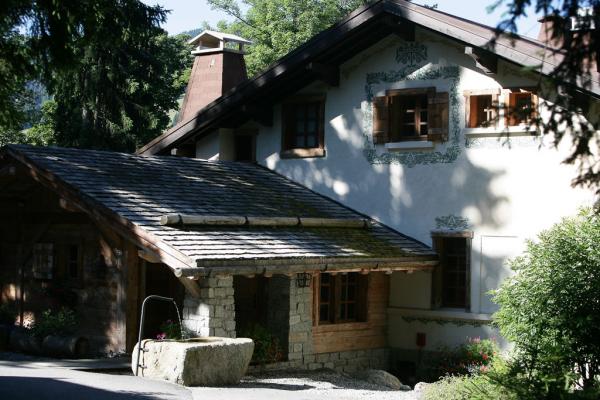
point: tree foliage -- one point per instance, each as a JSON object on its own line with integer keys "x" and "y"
{"x": 113, "y": 72}
{"x": 278, "y": 26}
{"x": 550, "y": 308}
{"x": 576, "y": 55}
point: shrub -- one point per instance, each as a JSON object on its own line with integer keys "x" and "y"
{"x": 550, "y": 309}
{"x": 478, "y": 386}
{"x": 169, "y": 330}
{"x": 266, "y": 346}
{"x": 62, "y": 322}
{"x": 472, "y": 357}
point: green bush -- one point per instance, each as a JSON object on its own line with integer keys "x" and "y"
{"x": 266, "y": 346}
{"x": 478, "y": 386}
{"x": 472, "y": 357}
{"x": 550, "y": 310}
{"x": 63, "y": 322}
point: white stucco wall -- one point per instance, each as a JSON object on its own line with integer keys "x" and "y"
{"x": 506, "y": 193}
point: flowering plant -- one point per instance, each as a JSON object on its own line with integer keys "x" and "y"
{"x": 169, "y": 330}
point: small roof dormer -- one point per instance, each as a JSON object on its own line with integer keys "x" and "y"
{"x": 211, "y": 41}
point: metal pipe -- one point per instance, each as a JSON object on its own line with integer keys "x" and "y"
{"x": 151, "y": 297}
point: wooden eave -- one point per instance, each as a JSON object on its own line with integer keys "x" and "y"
{"x": 103, "y": 215}
{"x": 317, "y": 264}
{"x": 359, "y": 30}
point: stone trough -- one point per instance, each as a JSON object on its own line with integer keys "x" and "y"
{"x": 208, "y": 361}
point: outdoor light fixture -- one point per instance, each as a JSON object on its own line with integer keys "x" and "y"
{"x": 303, "y": 279}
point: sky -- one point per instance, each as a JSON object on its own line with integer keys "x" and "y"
{"x": 189, "y": 14}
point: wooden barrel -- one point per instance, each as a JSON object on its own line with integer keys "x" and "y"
{"x": 65, "y": 346}
{"x": 23, "y": 341}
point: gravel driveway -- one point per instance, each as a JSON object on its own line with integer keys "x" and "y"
{"x": 317, "y": 385}
{"x": 25, "y": 377}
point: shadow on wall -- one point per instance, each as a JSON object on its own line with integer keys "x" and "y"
{"x": 406, "y": 198}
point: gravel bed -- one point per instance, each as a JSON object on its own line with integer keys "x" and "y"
{"x": 291, "y": 385}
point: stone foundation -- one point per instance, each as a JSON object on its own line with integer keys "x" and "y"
{"x": 213, "y": 313}
{"x": 346, "y": 361}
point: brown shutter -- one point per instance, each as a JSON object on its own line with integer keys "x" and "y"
{"x": 381, "y": 121}
{"x": 437, "y": 114}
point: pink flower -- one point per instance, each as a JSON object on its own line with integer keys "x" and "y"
{"x": 161, "y": 336}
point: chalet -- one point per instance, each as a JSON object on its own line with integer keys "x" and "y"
{"x": 358, "y": 199}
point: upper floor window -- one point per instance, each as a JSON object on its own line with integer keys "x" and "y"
{"x": 522, "y": 107}
{"x": 481, "y": 108}
{"x": 410, "y": 114}
{"x": 303, "y": 126}
{"x": 340, "y": 298}
{"x": 451, "y": 278}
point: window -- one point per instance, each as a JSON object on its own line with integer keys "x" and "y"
{"x": 303, "y": 126}
{"x": 244, "y": 148}
{"x": 522, "y": 107}
{"x": 481, "y": 107}
{"x": 340, "y": 298}
{"x": 73, "y": 262}
{"x": 43, "y": 260}
{"x": 410, "y": 114}
{"x": 451, "y": 278}
{"x": 69, "y": 263}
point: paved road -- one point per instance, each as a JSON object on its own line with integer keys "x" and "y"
{"x": 26, "y": 381}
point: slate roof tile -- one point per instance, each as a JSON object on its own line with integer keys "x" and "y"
{"x": 141, "y": 189}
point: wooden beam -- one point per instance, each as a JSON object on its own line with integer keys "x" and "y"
{"x": 191, "y": 286}
{"x": 149, "y": 256}
{"x": 68, "y": 206}
{"x": 484, "y": 60}
{"x": 330, "y": 74}
{"x": 261, "y": 113}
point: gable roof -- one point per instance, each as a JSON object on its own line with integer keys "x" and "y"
{"x": 359, "y": 30}
{"x": 132, "y": 192}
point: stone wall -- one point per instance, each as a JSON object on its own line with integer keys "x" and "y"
{"x": 345, "y": 361}
{"x": 300, "y": 320}
{"x": 213, "y": 313}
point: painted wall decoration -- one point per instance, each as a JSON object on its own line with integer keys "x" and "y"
{"x": 502, "y": 142}
{"x": 452, "y": 222}
{"x": 411, "y": 73}
{"x": 411, "y": 53}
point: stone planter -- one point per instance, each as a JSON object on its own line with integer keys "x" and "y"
{"x": 21, "y": 340}
{"x": 206, "y": 361}
{"x": 65, "y": 346}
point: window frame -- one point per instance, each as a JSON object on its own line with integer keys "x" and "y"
{"x": 396, "y": 137}
{"x": 335, "y": 299}
{"x": 496, "y": 105}
{"x": 509, "y": 114}
{"x": 438, "y": 292}
{"x": 288, "y": 133}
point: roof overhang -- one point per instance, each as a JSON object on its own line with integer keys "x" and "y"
{"x": 156, "y": 250}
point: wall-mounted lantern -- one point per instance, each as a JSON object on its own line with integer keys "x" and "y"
{"x": 303, "y": 279}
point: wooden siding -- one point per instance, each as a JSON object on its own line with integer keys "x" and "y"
{"x": 358, "y": 335}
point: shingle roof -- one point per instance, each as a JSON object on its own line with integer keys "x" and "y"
{"x": 141, "y": 189}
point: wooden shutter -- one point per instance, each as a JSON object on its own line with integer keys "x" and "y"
{"x": 381, "y": 120}
{"x": 437, "y": 114}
